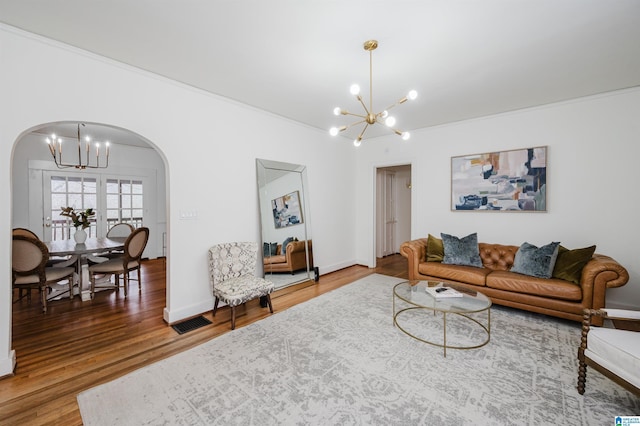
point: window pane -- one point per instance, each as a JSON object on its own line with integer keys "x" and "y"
{"x": 126, "y": 202}
{"x": 90, "y": 185}
{"x": 58, "y": 184}
{"x": 75, "y": 201}
{"x": 112, "y": 201}
{"x": 137, "y": 187}
{"x": 75, "y": 184}
{"x": 57, "y": 201}
{"x": 112, "y": 214}
{"x": 90, "y": 201}
{"x": 125, "y": 187}
{"x": 112, "y": 186}
{"x": 136, "y": 201}
{"x": 137, "y": 213}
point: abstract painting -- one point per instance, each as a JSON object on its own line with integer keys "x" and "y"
{"x": 503, "y": 181}
{"x": 286, "y": 210}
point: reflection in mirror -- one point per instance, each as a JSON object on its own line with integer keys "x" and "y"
{"x": 284, "y": 218}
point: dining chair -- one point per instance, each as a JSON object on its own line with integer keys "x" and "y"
{"x": 614, "y": 352}
{"x": 29, "y": 270}
{"x": 119, "y": 230}
{"x": 232, "y": 274}
{"x": 130, "y": 261}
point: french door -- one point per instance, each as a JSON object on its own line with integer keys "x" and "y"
{"x": 114, "y": 199}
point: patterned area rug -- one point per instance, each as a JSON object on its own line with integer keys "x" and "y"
{"x": 338, "y": 359}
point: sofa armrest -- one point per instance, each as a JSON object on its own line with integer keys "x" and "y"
{"x": 296, "y": 255}
{"x": 599, "y": 274}
{"x": 416, "y": 252}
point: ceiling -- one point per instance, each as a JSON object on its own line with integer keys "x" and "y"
{"x": 297, "y": 59}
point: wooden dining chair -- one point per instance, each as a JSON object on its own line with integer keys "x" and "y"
{"x": 130, "y": 261}
{"x": 29, "y": 271}
{"x": 119, "y": 230}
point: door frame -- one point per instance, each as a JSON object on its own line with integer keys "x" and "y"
{"x": 374, "y": 179}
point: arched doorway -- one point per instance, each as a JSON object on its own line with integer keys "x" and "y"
{"x": 134, "y": 163}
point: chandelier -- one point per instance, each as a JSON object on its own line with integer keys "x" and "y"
{"x": 369, "y": 117}
{"x": 55, "y": 146}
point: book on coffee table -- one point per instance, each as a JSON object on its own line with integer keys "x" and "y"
{"x": 443, "y": 292}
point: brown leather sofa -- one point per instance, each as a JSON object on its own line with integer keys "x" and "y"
{"x": 295, "y": 258}
{"x": 550, "y": 296}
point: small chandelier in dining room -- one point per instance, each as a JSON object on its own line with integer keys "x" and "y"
{"x": 370, "y": 117}
{"x": 55, "y": 146}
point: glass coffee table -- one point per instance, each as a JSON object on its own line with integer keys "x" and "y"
{"x": 412, "y": 297}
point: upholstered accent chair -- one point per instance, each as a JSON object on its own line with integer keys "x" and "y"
{"x": 130, "y": 261}
{"x": 614, "y": 352}
{"x": 29, "y": 268}
{"x": 232, "y": 274}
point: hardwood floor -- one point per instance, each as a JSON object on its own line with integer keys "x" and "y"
{"x": 78, "y": 345}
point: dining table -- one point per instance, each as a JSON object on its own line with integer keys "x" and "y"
{"x": 81, "y": 251}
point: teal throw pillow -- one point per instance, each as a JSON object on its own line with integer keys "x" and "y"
{"x": 536, "y": 261}
{"x": 284, "y": 244}
{"x": 461, "y": 251}
{"x": 274, "y": 249}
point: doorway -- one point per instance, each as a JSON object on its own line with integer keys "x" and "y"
{"x": 132, "y": 189}
{"x": 393, "y": 209}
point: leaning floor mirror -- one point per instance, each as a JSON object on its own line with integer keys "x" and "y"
{"x": 284, "y": 219}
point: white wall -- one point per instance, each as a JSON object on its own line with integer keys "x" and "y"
{"x": 203, "y": 139}
{"x": 593, "y": 152}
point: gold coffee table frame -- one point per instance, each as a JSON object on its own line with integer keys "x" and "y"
{"x": 415, "y": 295}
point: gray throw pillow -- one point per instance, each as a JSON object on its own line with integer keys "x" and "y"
{"x": 284, "y": 244}
{"x": 534, "y": 261}
{"x": 461, "y": 251}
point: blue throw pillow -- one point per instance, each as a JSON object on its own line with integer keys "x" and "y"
{"x": 461, "y": 251}
{"x": 534, "y": 261}
{"x": 284, "y": 244}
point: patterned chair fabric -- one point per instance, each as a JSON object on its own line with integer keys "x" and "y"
{"x": 232, "y": 269}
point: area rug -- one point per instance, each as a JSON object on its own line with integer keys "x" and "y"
{"x": 338, "y": 359}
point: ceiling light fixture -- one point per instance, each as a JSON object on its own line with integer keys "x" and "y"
{"x": 370, "y": 118}
{"x": 55, "y": 146}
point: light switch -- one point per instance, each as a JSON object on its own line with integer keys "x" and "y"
{"x": 188, "y": 215}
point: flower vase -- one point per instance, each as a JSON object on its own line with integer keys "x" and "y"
{"x": 80, "y": 236}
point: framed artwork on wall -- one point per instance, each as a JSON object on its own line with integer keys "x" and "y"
{"x": 503, "y": 181}
{"x": 286, "y": 210}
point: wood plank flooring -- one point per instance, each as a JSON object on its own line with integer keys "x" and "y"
{"x": 78, "y": 345}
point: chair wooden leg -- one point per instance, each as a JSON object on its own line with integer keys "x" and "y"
{"x": 215, "y": 307}
{"x": 582, "y": 377}
{"x": 139, "y": 281}
{"x": 269, "y": 303}
{"x": 126, "y": 283}
{"x": 233, "y": 317}
{"x": 43, "y": 293}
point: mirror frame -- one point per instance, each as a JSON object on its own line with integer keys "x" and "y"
{"x": 265, "y": 168}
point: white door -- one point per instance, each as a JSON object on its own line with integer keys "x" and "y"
{"x": 390, "y": 220}
{"x": 64, "y": 189}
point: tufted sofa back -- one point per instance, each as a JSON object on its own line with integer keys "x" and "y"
{"x": 497, "y": 256}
